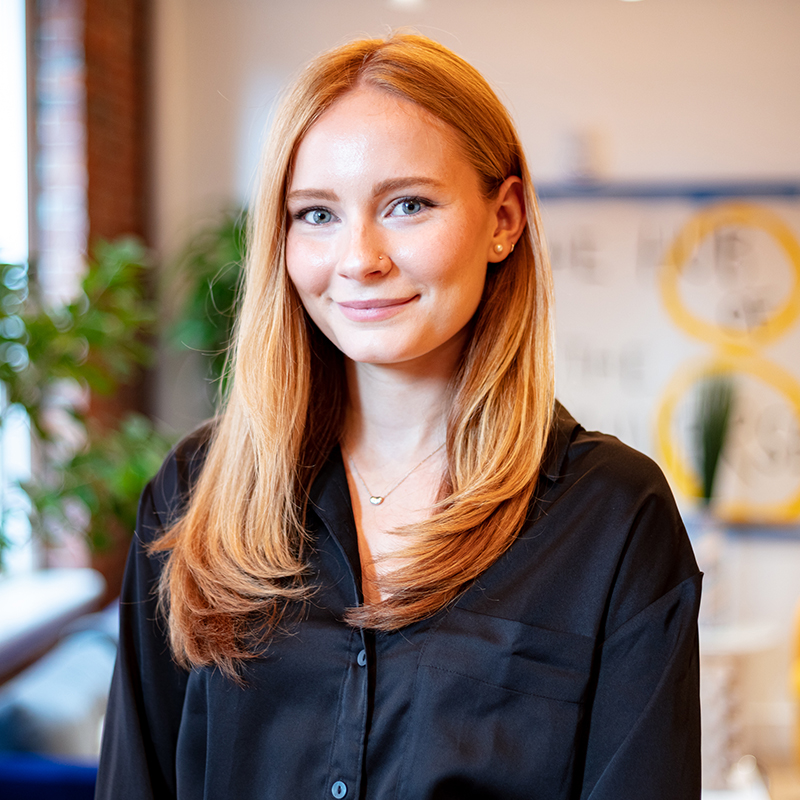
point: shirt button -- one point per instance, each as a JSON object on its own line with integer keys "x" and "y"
{"x": 339, "y": 789}
{"x": 362, "y": 662}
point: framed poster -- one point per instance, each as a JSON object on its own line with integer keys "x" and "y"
{"x": 658, "y": 287}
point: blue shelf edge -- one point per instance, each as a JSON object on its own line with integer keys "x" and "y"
{"x": 697, "y": 191}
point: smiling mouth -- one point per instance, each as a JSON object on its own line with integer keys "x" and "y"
{"x": 386, "y": 303}
{"x": 376, "y": 309}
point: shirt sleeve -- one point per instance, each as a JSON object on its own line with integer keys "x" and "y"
{"x": 644, "y": 730}
{"x": 644, "y": 718}
{"x": 137, "y": 760}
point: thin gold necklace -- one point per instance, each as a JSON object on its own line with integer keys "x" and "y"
{"x": 377, "y": 499}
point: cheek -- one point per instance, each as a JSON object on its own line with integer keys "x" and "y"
{"x": 443, "y": 256}
{"x": 464, "y": 267}
{"x": 306, "y": 271}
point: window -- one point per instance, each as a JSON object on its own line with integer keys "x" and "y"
{"x": 14, "y": 437}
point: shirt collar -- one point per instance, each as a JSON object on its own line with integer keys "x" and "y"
{"x": 562, "y": 431}
{"x": 329, "y": 499}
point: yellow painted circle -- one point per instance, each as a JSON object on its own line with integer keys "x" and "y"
{"x": 674, "y": 459}
{"x": 701, "y": 225}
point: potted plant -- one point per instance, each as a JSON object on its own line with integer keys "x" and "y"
{"x": 87, "y": 477}
{"x": 204, "y": 281}
{"x": 712, "y": 427}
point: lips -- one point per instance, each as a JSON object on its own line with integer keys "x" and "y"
{"x": 374, "y": 309}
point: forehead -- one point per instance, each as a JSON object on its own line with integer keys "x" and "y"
{"x": 369, "y": 125}
{"x": 367, "y": 102}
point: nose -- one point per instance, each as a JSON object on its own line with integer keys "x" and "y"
{"x": 364, "y": 255}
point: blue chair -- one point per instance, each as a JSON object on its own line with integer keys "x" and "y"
{"x": 29, "y": 777}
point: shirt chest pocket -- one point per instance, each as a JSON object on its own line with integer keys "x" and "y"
{"x": 511, "y": 655}
{"x": 497, "y": 712}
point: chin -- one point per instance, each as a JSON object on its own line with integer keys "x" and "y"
{"x": 377, "y": 359}
{"x": 387, "y": 353}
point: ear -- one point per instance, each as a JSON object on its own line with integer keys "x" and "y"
{"x": 509, "y": 207}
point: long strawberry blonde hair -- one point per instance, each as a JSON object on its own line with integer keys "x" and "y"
{"x": 235, "y": 558}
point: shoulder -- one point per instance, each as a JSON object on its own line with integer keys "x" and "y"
{"x": 606, "y": 461}
{"x": 625, "y": 492}
{"x": 165, "y": 497}
{"x": 614, "y": 504}
{"x": 619, "y": 488}
{"x": 600, "y": 464}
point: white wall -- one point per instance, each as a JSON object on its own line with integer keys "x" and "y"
{"x": 674, "y": 88}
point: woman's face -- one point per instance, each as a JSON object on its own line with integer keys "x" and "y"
{"x": 389, "y": 234}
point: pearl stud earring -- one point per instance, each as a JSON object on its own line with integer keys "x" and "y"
{"x": 498, "y": 248}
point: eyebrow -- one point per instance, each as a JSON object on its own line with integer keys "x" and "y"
{"x": 390, "y": 185}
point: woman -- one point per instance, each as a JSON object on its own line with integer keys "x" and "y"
{"x": 394, "y": 566}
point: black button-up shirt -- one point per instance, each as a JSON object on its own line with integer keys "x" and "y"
{"x": 567, "y": 671}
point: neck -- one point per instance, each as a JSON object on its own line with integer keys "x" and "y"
{"x": 399, "y": 412}
{"x": 392, "y": 411}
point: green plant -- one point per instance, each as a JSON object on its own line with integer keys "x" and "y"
{"x": 95, "y": 491}
{"x": 205, "y": 280}
{"x": 715, "y": 401}
{"x": 95, "y": 342}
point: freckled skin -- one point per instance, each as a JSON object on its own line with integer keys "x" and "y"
{"x": 389, "y": 234}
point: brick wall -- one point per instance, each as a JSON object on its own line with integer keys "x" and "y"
{"x": 116, "y": 141}
{"x": 91, "y": 93}
{"x": 60, "y": 173}
{"x": 91, "y": 96}
{"x": 114, "y": 41}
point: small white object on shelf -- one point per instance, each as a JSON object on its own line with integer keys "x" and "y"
{"x": 744, "y": 781}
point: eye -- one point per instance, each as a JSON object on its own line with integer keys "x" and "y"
{"x": 315, "y": 216}
{"x": 409, "y": 206}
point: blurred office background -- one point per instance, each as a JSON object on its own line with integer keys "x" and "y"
{"x": 664, "y": 138}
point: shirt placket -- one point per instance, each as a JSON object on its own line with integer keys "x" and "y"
{"x": 347, "y": 751}
{"x": 344, "y": 778}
